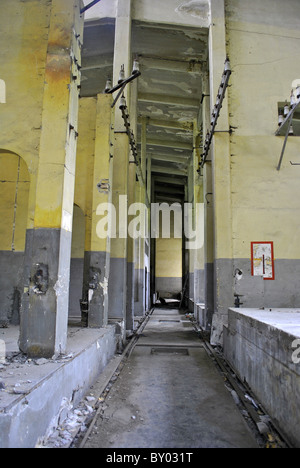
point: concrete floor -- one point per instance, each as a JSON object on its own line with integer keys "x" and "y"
{"x": 170, "y": 395}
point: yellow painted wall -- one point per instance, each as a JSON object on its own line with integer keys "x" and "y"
{"x": 78, "y": 233}
{"x": 85, "y": 153}
{"x": 14, "y": 191}
{"x": 263, "y": 43}
{"x": 23, "y": 39}
{"x": 168, "y": 263}
{"x": 168, "y": 258}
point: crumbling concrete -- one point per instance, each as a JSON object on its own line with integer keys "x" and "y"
{"x": 35, "y": 392}
{"x": 262, "y": 346}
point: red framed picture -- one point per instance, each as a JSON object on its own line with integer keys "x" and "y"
{"x": 262, "y": 260}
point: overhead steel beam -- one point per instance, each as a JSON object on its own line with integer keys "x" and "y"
{"x": 166, "y": 189}
{"x": 169, "y": 170}
{"x": 170, "y": 144}
{"x": 216, "y": 111}
{"x": 174, "y": 124}
{"x": 97, "y": 62}
{"x": 172, "y": 100}
{"x": 181, "y": 66}
{"x": 90, "y": 5}
{"x": 169, "y": 180}
{"x": 170, "y": 158}
{"x": 164, "y": 151}
{"x": 165, "y": 198}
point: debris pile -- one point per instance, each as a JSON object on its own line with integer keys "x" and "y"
{"x": 69, "y": 422}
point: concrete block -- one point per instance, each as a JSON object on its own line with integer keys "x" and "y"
{"x": 259, "y": 346}
{"x": 26, "y": 414}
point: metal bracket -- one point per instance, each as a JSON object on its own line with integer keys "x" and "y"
{"x": 288, "y": 120}
{"x": 216, "y": 111}
{"x": 90, "y": 5}
{"x": 103, "y": 186}
{"x": 123, "y": 82}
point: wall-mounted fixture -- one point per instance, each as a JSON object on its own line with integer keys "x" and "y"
{"x": 90, "y": 5}
{"x": 216, "y": 112}
{"x": 262, "y": 260}
{"x": 237, "y": 302}
{"x": 103, "y": 186}
{"x": 287, "y": 122}
{"x": 122, "y": 82}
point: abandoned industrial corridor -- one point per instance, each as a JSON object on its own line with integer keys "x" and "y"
{"x": 169, "y": 395}
{"x": 149, "y": 235}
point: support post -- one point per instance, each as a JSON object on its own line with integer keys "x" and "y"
{"x": 223, "y": 251}
{"x": 140, "y": 305}
{"x": 97, "y": 245}
{"x": 118, "y": 258}
{"x": 44, "y": 310}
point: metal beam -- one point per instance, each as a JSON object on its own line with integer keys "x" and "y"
{"x": 175, "y": 124}
{"x": 169, "y": 180}
{"x": 98, "y": 62}
{"x": 169, "y": 170}
{"x": 169, "y": 190}
{"x": 170, "y": 144}
{"x": 165, "y": 198}
{"x": 170, "y": 158}
{"x": 181, "y": 66}
{"x": 173, "y": 151}
{"x": 216, "y": 111}
{"x": 90, "y": 5}
{"x": 172, "y": 100}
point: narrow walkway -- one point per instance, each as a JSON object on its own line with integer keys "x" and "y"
{"x": 170, "y": 395}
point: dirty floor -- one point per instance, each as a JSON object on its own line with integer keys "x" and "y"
{"x": 170, "y": 395}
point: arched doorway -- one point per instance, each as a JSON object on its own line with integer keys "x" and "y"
{"x": 14, "y": 195}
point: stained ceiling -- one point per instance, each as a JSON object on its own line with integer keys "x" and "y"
{"x": 173, "y": 61}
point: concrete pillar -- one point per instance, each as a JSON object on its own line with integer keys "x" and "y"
{"x": 223, "y": 263}
{"x": 199, "y": 296}
{"x": 140, "y": 282}
{"x": 118, "y": 259}
{"x": 131, "y": 199}
{"x": 149, "y": 201}
{"x": 97, "y": 244}
{"x": 208, "y": 220}
{"x": 191, "y": 221}
{"x": 44, "y": 311}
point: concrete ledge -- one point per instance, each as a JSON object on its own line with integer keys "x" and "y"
{"x": 36, "y": 389}
{"x": 258, "y": 345}
{"x": 200, "y": 313}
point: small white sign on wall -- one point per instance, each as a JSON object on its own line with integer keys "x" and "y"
{"x": 262, "y": 260}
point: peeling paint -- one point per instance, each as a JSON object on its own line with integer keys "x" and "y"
{"x": 91, "y": 294}
{"x": 2, "y": 92}
{"x": 195, "y": 8}
{"x": 61, "y": 286}
{"x": 104, "y": 286}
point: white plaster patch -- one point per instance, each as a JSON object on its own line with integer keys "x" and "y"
{"x": 104, "y": 286}
{"x": 67, "y": 221}
{"x": 2, "y": 92}
{"x": 195, "y": 8}
{"x": 2, "y": 351}
{"x": 154, "y": 110}
{"x": 91, "y": 293}
{"x": 61, "y": 285}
